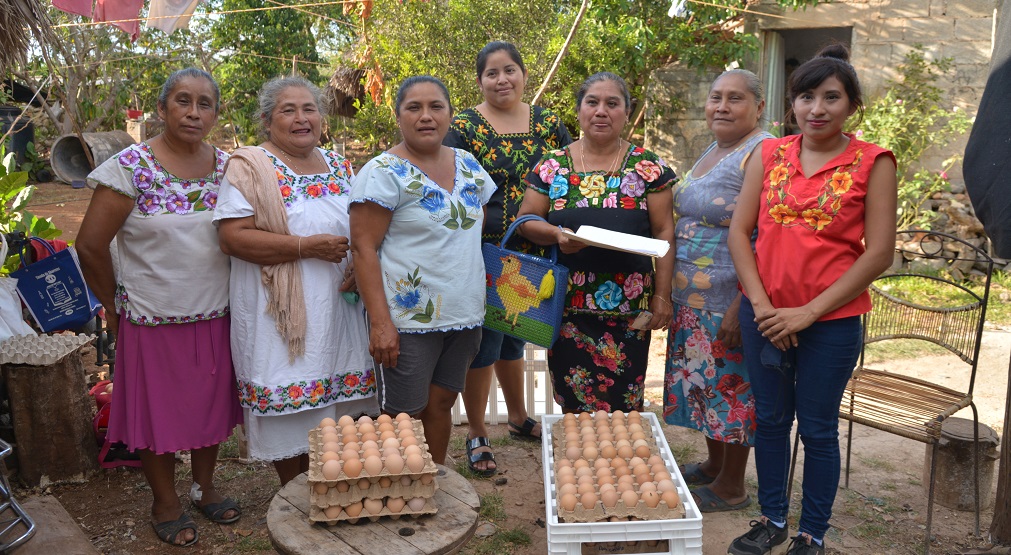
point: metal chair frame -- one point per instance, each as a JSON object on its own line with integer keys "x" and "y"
{"x": 907, "y": 406}
{"x": 7, "y": 502}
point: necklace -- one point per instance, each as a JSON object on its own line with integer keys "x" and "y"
{"x": 291, "y": 160}
{"x": 610, "y": 169}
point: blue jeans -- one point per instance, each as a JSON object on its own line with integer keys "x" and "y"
{"x": 807, "y": 381}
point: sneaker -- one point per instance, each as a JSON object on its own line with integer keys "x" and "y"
{"x": 802, "y": 545}
{"x": 760, "y": 540}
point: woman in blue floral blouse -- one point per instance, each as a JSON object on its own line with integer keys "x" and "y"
{"x": 599, "y": 361}
{"x": 416, "y": 216}
{"x": 508, "y": 136}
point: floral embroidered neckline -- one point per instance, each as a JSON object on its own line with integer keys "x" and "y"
{"x": 491, "y": 131}
{"x": 617, "y": 172}
{"x": 456, "y": 160}
{"x": 212, "y": 177}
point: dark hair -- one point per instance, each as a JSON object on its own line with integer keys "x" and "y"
{"x": 406, "y": 84}
{"x": 495, "y": 46}
{"x": 179, "y": 75}
{"x": 831, "y": 61}
{"x": 273, "y": 89}
{"x": 604, "y": 76}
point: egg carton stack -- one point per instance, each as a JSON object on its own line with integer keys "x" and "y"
{"x": 370, "y": 469}
{"x": 613, "y": 486}
{"x": 40, "y": 350}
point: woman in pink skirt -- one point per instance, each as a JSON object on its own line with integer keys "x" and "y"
{"x": 168, "y": 280}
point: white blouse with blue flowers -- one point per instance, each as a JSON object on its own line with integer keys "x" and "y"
{"x": 433, "y": 271}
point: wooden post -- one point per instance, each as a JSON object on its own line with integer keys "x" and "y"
{"x": 52, "y": 416}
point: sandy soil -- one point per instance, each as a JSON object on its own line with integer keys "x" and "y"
{"x": 883, "y": 511}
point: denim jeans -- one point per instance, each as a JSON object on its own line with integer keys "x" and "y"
{"x": 807, "y": 381}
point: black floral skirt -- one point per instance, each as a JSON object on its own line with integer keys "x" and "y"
{"x": 599, "y": 363}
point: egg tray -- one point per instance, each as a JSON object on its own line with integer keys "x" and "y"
{"x": 40, "y": 350}
{"x": 375, "y": 491}
{"x": 316, "y": 452}
{"x": 622, "y": 512}
{"x": 558, "y": 438}
{"x": 317, "y": 515}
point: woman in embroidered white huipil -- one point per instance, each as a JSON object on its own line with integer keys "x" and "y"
{"x": 416, "y": 223}
{"x": 168, "y": 301}
{"x": 299, "y": 346}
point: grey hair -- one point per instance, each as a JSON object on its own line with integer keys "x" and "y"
{"x": 604, "y": 76}
{"x": 272, "y": 89}
{"x": 173, "y": 80}
{"x": 751, "y": 81}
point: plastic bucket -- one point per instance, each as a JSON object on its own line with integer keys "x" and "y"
{"x": 68, "y": 157}
{"x": 24, "y": 131}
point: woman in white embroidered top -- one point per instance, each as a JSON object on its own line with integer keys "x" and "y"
{"x": 416, "y": 223}
{"x": 299, "y": 343}
{"x": 168, "y": 301}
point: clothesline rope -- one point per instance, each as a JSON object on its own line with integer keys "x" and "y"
{"x": 162, "y": 54}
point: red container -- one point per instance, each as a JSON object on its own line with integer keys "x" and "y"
{"x": 101, "y": 396}
{"x": 134, "y": 114}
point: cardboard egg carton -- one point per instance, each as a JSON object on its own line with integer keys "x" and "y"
{"x": 620, "y": 511}
{"x": 316, "y": 451}
{"x": 316, "y": 513}
{"x": 558, "y": 437}
{"x": 40, "y": 350}
{"x": 374, "y": 491}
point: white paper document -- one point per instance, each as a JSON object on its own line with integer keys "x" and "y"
{"x": 618, "y": 241}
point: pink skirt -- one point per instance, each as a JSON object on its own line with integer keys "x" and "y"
{"x": 174, "y": 386}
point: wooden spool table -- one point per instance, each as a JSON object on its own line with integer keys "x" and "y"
{"x": 446, "y": 531}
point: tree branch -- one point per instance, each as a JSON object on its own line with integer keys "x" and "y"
{"x": 561, "y": 53}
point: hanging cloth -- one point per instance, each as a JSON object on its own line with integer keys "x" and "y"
{"x": 76, "y": 7}
{"x": 169, "y": 15}
{"x": 120, "y": 10}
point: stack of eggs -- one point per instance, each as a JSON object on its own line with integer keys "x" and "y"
{"x": 369, "y": 469}
{"x": 608, "y": 468}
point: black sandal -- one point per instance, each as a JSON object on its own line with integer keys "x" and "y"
{"x": 474, "y": 458}
{"x": 169, "y": 530}
{"x": 526, "y": 431}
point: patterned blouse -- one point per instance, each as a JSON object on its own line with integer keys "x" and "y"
{"x": 507, "y": 158}
{"x": 166, "y": 240}
{"x": 605, "y": 282}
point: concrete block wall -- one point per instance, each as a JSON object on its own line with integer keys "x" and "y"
{"x": 883, "y": 32}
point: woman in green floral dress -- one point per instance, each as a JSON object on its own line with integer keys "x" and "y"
{"x": 599, "y": 361}
{"x": 508, "y": 136}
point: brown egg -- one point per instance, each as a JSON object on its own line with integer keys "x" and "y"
{"x": 568, "y": 417}
{"x": 584, "y": 488}
{"x": 320, "y": 488}
{"x": 622, "y": 487}
{"x": 651, "y": 498}
{"x": 601, "y": 463}
{"x": 660, "y": 476}
{"x": 670, "y": 498}
{"x": 590, "y": 452}
{"x": 584, "y": 471}
{"x": 654, "y": 459}
{"x": 583, "y": 416}
{"x": 330, "y": 456}
{"x": 605, "y": 436}
{"x": 601, "y": 415}
{"x": 373, "y": 506}
{"x": 371, "y": 452}
{"x": 666, "y": 485}
{"x": 584, "y": 480}
{"x": 588, "y": 500}
{"x": 622, "y": 471}
{"x": 391, "y": 442}
{"x": 636, "y": 436}
{"x": 635, "y": 427}
{"x": 573, "y": 452}
{"x": 327, "y": 422}
{"x": 657, "y": 468}
{"x": 354, "y": 509}
{"x": 566, "y": 488}
{"x": 365, "y": 419}
{"x": 350, "y": 451}
{"x": 349, "y": 429}
{"x": 625, "y": 451}
{"x": 332, "y": 469}
{"x": 349, "y": 438}
{"x": 580, "y": 463}
{"x": 331, "y": 446}
{"x": 568, "y": 502}
{"x": 385, "y": 482}
{"x": 343, "y": 487}
{"x": 415, "y": 463}
{"x": 641, "y": 470}
{"x": 574, "y": 443}
{"x": 332, "y": 512}
{"x": 373, "y": 464}
{"x": 329, "y": 429}
{"x": 407, "y": 441}
{"x": 647, "y": 486}
{"x": 641, "y": 448}
{"x": 384, "y": 419}
{"x": 395, "y": 463}
{"x": 603, "y": 471}
{"x": 617, "y": 429}
{"x": 364, "y": 484}
{"x": 387, "y": 435}
{"x": 635, "y": 461}
{"x": 403, "y": 416}
{"x": 617, "y": 463}
{"x": 565, "y": 472}
{"x": 412, "y": 450}
{"x": 395, "y": 504}
{"x": 352, "y": 467}
{"x": 416, "y": 504}
{"x": 330, "y": 437}
{"x": 405, "y": 425}
{"x": 427, "y": 479}
{"x": 609, "y": 498}
{"x": 630, "y": 498}
{"x": 605, "y": 479}
{"x": 626, "y": 479}
{"x": 571, "y": 436}
{"x": 345, "y": 421}
{"x": 366, "y": 427}
{"x": 391, "y": 451}
{"x": 370, "y": 436}
{"x": 405, "y": 481}
{"x": 563, "y": 462}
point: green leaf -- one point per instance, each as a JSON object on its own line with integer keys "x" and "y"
{"x": 452, "y": 210}
{"x": 703, "y": 261}
{"x": 414, "y": 185}
{"x": 429, "y": 308}
{"x": 423, "y": 318}
{"x": 468, "y": 223}
{"x": 452, "y": 224}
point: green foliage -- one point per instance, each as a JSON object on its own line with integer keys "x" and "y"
{"x": 15, "y": 192}
{"x": 33, "y": 163}
{"x": 912, "y": 118}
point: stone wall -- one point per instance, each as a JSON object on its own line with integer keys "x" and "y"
{"x": 883, "y": 32}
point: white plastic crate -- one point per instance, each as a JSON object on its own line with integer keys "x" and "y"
{"x": 681, "y": 536}
{"x": 538, "y": 394}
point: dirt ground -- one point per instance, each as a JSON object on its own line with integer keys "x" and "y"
{"x": 882, "y": 512}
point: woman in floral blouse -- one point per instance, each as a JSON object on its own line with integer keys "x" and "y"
{"x": 599, "y": 361}
{"x": 167, "y": 301}
{"x": 298, "y": 333}
{"x": 824, "y": 206}
{"x": 508, "y": 136}
{"x": 416, "y": 218}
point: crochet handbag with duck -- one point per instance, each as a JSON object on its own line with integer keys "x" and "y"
{"x": 526, "y": 293}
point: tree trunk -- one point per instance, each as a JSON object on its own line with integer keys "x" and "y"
{"x": 561, "y": 53}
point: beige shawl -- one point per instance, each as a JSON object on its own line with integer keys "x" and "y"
{"x": 253, "y": 174}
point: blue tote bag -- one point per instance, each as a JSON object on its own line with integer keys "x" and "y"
{"x": 54, "y": 290}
